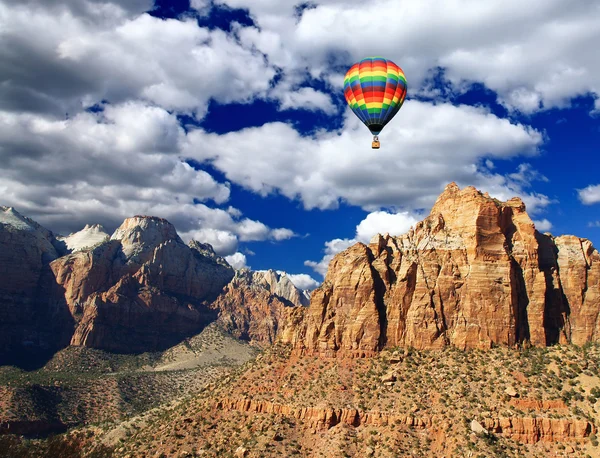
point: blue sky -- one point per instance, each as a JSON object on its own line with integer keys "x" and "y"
{"x": 227, "y": 117}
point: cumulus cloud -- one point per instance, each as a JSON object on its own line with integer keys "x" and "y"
{"x": 201, "y": 6}
{"x": 590, "y": 195}
{"x": 120, "y": 56}
{"x": 105, "y": 166}
{"x": 303, "y": 281}
{"x": 305, "y": 98}
{"x": 237, "y": 260}
{"x": 535, "y": 55}
{"x": 433, "y": 145}
{"x": 543, "y": 225}
{"x": 282, "y": 234}
{"x": 378, "y": 222}
{"x": 383, "y": 222}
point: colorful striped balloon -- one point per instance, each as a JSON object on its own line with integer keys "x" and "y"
{"x": 375, "y": 89}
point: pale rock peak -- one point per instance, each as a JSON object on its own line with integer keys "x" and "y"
{"x": 89, "y": 236}
{"x": 10, "y": 216}
{"x": 38, "y": 235}
{"x": 141, "y": 232}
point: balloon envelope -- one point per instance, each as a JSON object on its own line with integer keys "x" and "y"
{"x": 375, "y": 89}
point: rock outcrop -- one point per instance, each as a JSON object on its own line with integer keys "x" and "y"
{"x": 524, "y": 429}
{"x": 473, "y": 274}
{"x": 142, "y": 290}
{"x": 255, "y": 303}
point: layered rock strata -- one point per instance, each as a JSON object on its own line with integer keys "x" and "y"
{"x": 523, "y": 429}
{"x": 473, "y": 274}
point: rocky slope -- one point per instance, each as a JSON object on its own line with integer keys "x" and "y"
{"x": 81, "y": 386}
{"x": 475, "y": 273}
{"x": 504, "y": 402}
{"x": 255, "y": 304}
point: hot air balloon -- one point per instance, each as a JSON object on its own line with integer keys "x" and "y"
{"x": 375, "y": 89}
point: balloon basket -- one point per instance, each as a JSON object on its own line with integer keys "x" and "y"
{"x": 375, "y": 144}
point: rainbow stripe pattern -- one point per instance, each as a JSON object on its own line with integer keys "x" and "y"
{"x": 375, "y": 89}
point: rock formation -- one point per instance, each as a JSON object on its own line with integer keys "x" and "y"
{"x": 142, "y": 290}
{"x": 255, "y": 303}
{"x": 473, "y": 274}
{"x": 26, "y": 320}
{"x": 523, "y": 429}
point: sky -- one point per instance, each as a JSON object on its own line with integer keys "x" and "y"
{"x": 227, "y": 117}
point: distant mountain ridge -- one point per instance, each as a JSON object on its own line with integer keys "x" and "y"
{"x": 140, "y": 289}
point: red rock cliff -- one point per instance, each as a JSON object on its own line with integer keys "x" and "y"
{"x": 473, "y": 274}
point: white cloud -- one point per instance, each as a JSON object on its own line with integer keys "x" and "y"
{"x": 305, "y": 98}
{"x": 107, "y": 166}
{"x": 383, "y": 222}
{"x": 596, "y": 110}
{"x": 430, "y": 146}
{"x": 594, "y": 224}
{"x": 116, "y": 55}
{"x": 282, "y": 234}
{"x": 202, "y": 6}
{"x": 236, "y": 260}
{"x": 590, "y": 195}
{"x": 537, "y": 54}
{"x": 378, "y": 222}
{"x": 525, "y": 175}
{"x": 303, "y": 281}
{"x": 224, "y": 243}
{"x": 543, "y": 225}
{"x": 234, "y": 212}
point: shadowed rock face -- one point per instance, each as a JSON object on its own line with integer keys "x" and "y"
{"x": 142, "y": 290}
{"x": 28, "y": 319}
{"x": 473, "y": 274}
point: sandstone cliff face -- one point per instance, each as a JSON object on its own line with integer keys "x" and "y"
{"x": 142, "y": 290}
{"x": 254, "y": 304}
{"x": 473, "y": 274}
{"x": 26, "y": 320}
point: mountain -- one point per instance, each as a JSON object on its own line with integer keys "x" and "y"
{"x": 471, "y": 335}
{"x": 142, "y": 290}
{"x": 475, "y": 273}
{"x": 255, "y": 304}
